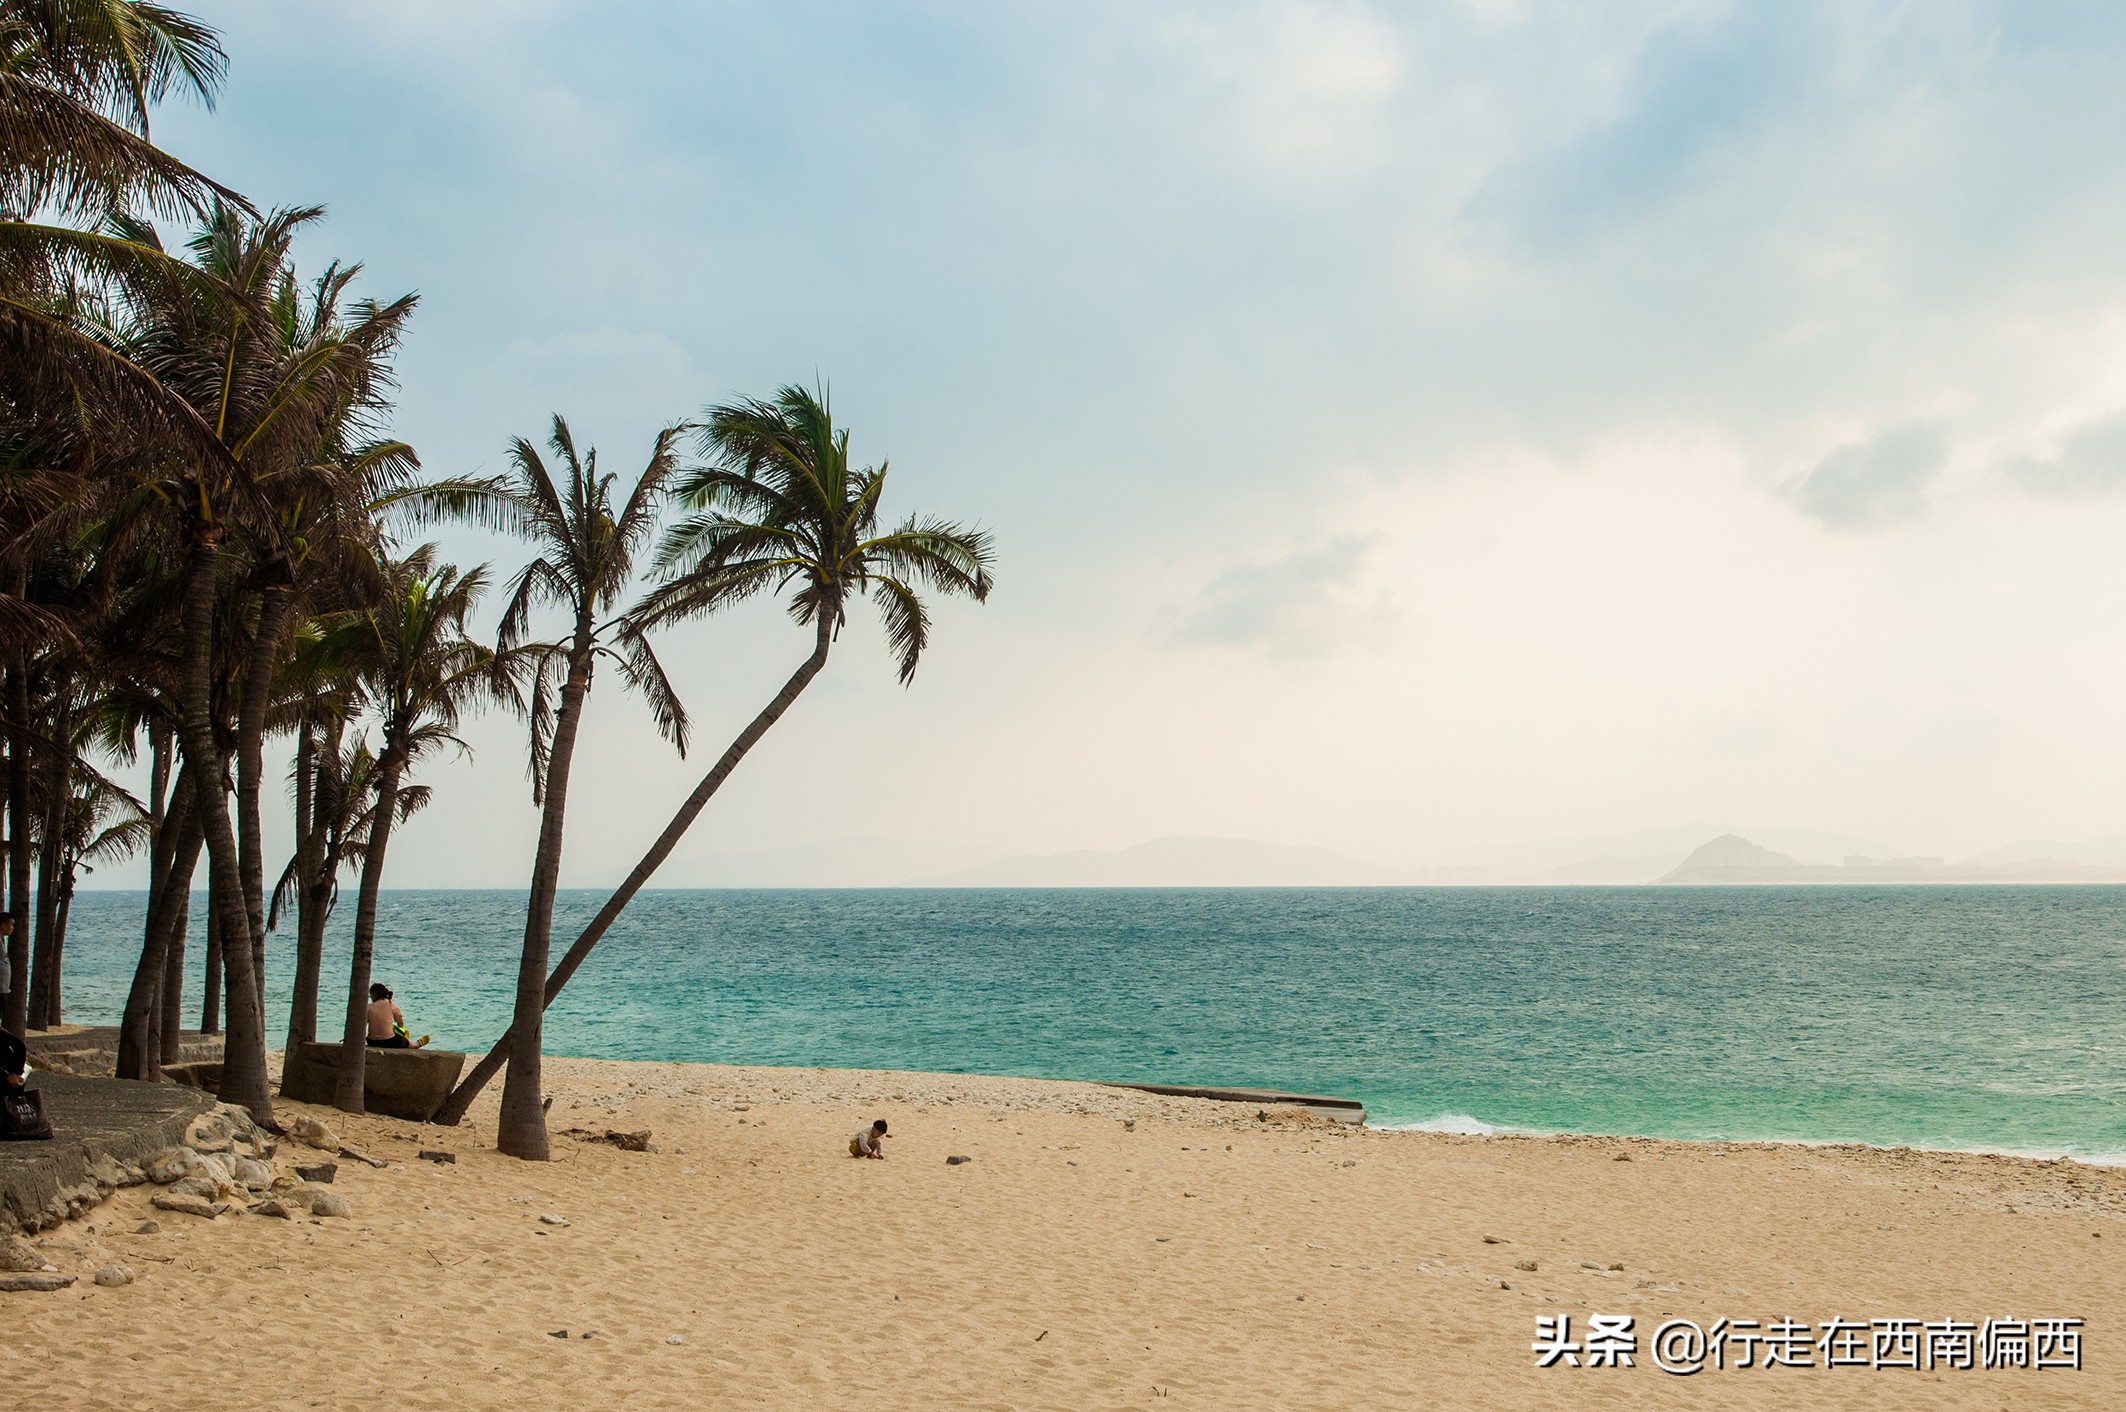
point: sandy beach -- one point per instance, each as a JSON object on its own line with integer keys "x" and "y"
{"x": 1103, "y": 1248}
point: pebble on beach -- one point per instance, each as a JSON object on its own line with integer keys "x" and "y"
{"x": 112, "y": 1276}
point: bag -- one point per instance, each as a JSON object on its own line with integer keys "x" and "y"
{"x": 22, "y": 1116}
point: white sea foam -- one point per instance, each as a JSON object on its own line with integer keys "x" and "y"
{"x": 1449, "y": 1123}
{"x": 1465, "y": 1125}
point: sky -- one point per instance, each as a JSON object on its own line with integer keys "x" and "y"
{"x": 1408, "y": 430}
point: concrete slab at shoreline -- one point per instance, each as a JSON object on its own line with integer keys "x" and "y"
{"x": 1341, "y": 1110}
{"x": 99, "y": 1127}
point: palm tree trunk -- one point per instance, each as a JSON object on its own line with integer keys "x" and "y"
{"x": 453, "y": 1109}
{"x": 51, "y": 848}
{"x": 18, "y": 839}
{"x": 243, "y": 1071}
{"x": 170, "y": 1033}
{"x": 210, "y": 1000}
{"x": 158, "y": 778}
{"x": 347, "y": 1092}
{"x": 309, "y": 844}
{"x": 66, "y": 905}
{"x": 170, "y": 862}
{"x": 522, "y": 1131}
{"x": 274, "y": 603}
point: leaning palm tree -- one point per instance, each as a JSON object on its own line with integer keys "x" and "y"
{"x": 420, "y": 673}
{"x": 585, "y": 566}
{"x": 778, "y": 507}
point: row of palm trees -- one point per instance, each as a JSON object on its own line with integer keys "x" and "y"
{"x": 204, "y": 524}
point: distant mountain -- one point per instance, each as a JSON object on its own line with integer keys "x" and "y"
{"x": 1734, "y": 859}
{"x": 2089, "y": 853}
{"x": 1614, "y": 859}
{"x": 1176, "y": 862}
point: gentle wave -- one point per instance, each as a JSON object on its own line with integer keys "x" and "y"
{"x": 1463, "y": 1125}
{"x": 1458, "y": 1123}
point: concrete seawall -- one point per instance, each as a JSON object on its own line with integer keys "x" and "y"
{"x": 103, "y": 1131}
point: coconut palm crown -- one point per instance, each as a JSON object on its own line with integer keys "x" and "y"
{"x": 780, "y": 507}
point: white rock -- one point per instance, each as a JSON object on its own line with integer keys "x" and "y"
{"x": 311, "y": 1132}
{"x": 253, "y": 1174}
{"x": 548, "y": 1218}
{"x": 206, "y": 1185}
{"x": 18, "y": 1254}
{"x": 172, "y": 1163}
{"x": 112, "y": 1276}
{"x": 326, "y": 1204}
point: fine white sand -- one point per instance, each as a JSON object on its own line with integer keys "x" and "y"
{"x": 1103, "y": 1248}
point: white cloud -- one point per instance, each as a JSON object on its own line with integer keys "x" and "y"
{"x": 1304, "y": 601}
{"x": 2090, "y": 459}
{"x": 1880, "y": 481}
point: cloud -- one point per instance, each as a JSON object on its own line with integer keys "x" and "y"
{"x": 1113, "y": 278}
{"x": 1302, "y": 76}
{"x": 1868, "y": 484}
{"x": 1300, "y": 602}
{"x": 2091, "y": 460}
{"x": 1699, "y": 91}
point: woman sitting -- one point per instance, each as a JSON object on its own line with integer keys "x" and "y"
{"x": 387, "y": 1027}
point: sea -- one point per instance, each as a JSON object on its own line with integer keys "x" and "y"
{"x": 1984, "y": 1018}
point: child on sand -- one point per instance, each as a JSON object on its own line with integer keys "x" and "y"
{"x": 865, "y": 1143}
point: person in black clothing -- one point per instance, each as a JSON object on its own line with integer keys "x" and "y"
{"x": 14, "y": 1055}
{"x": 7, "y": 929}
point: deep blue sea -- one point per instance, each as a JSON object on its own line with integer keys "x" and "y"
{"x": 1965, "y": 1017}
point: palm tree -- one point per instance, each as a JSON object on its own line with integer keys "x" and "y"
{"x": 342, "y": 791}
{"x": 420, "y": 673}
{"x": 103, "y": 824}
{"x": 777, "y": 508}
{"x": 585, "y": 565}
{"x": 284, "y": 380}
{"x": 77, "y": 81}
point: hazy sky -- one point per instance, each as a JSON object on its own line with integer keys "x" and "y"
{"x": 1407, "y": 429}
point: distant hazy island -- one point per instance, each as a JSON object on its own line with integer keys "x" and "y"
{"x": 1734, "y": 859}
{"x": 1683, "y": 856}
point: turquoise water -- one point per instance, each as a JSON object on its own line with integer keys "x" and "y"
{"x": 1942, "y": 1017}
